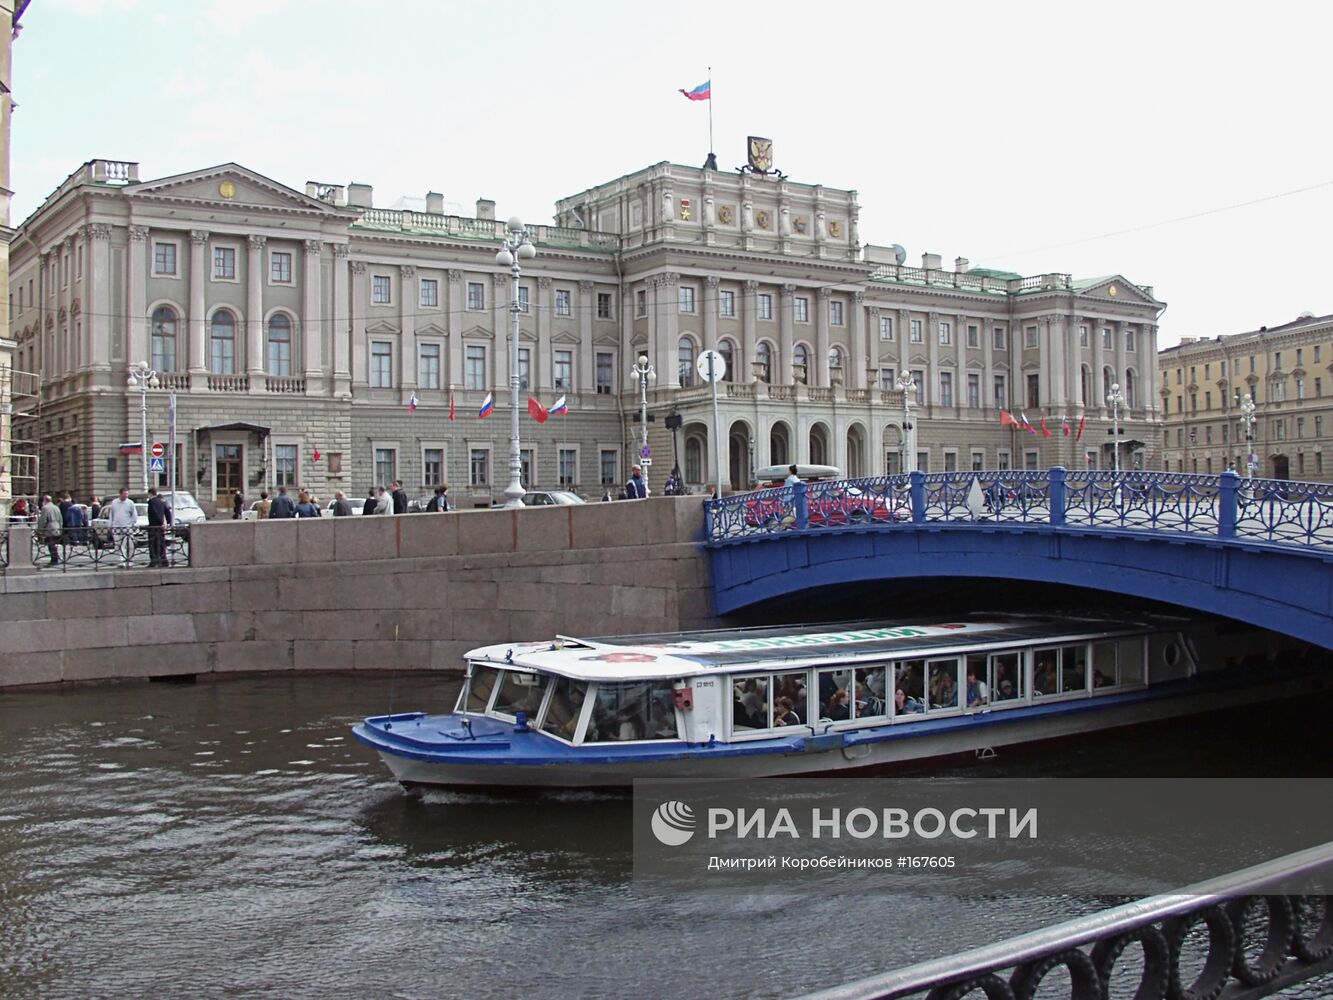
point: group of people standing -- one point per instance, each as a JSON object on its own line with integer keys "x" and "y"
{"x": 380, "y": 500}
{"x": 62, "y": 522}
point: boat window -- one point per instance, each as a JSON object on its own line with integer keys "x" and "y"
{"x": 624, "y": 711}
{"x": 480, "y": 687}
{"x": 943, "y": 691}
{"x": 562, "y": 713}
{"x": 1045, "y": 673}
{"x": 1006, "y": 677}
{"x": 767, "y": 701}
{"x": 834, "y": 702}
{"x": 870, "y": 686}
{"x": 976, "y": 689}
{"x": 1129, "y": 660}
{"x": 519, "y": 692}
{"x": 1073, "y": 668}
{"x": 1103, "y": 665}
{"x": 749, "y": 704}
{"x": 909, "y": 679}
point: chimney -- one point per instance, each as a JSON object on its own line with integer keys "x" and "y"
{"x": 434, "y": 203}
{"x": 930, "y": 261}
{"x": 961, "y": 264}
{"x": 485, "y": 208}
{"x": 359, "y": 195}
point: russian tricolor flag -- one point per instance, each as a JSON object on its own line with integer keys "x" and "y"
{"x": 703, "y": 92}
{"x": 559, "y": 407}
{"x": 412, "y": 404}
{"x": 487, "y": 405}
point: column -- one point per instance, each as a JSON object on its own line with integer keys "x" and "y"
{"x": 97, "y": 312}
{"x": 544, "y": 307}
{"x": 407, "y": 321}
{"x": 904, "y": 344}
{"x": 457, "y": 300}
{"x": 1098, "y": 402}
{"x": 749, "y": 340}
{"x": 1148, "y": 349}
{"x": 1073, "y": 364}
{"x": 786, "y": 317}
{"x": 1118, "y": 339}
{"x": 254, "y": 310}
{"x": 587, "y": 366}
{"x": 960, "y": 379}
{"x": 312, "y": 321}
{"x": 988, "y": 400}
{"x": 856, "y": 377}
{"x": 69, "y": 350}
{"x": 198, "y": 263}
{"x": 710, "y": 307}
{"x": 1058, "y": 335}
{"x": 359, "y": 359}
{"x": 820, "y": 374}
{"x": 502, "y": 321}
{"x": 668, "y": 330}
{"x": 932, "y": 386}
{"x": 342, "y": 334}
{"x": 1044, "y": 334}
{"x": 137, "y": 343}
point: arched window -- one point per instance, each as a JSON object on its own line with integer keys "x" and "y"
{"x": 164, "y": 339}
{"x": 764, "y": 355}
{"x": 800, "y": 364}
{"x": 280, "y": 346}
{"x": 835, "y": 357}
{"x": 222, "y": 344}
{"x": 1129, "y": 389}
{"x": 1108, "y": 380}
{"x": 685, "y": 359}
{"x": 728, "y": 351}
{"x": 694, "y": 460}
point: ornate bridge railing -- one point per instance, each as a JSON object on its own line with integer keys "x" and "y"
{"x": 1226, "y": 506}
{"x": 1244, "y": 941}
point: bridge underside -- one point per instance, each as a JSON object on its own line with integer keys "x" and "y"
{"x": 1272, "y": 588}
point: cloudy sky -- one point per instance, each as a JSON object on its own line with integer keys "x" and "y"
{"x": 1181, "y": 146}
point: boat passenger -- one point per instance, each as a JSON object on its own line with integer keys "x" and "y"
{"x": 977, "y": 691}
{"x": 903, "y": 705}
{"x": 944, "y": 694}
{"x": 1006, "y": 690}
{"x": 785, "y": 715}
{"x": 838, "y": 709}
{"x": 630, "y": 725}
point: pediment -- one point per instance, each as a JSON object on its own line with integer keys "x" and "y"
{"x": 565, "y": 338}
{"x": 1001, "y": 366}
{"x": 432, "y": 330}
{"x": 478, "y": 333}
{"x": 973, "y": 365}
{"x": 381, "y": 328}
{"x": 1114, "y": 288}
{"x": 606, "y": 340}
{"x": 1031, "y": 366}
{"x": 918, "y": 359}
{"x": 229, "y": 185}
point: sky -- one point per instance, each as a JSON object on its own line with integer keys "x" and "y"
{"x": 1184, "y": 147}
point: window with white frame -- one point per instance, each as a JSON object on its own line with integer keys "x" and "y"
{"x": 916, "y": 333}
{"x": 224, "y": 263}
{"x": 280, "y": 267}
{"x": 606, "y": 373}
{"x": 279, "y": 355}
{"x": 222, "y": 343}
{"x": 765, "y": 302}
{"x": 432, "y": 467}
{"x": 522, "y": 298}
{"x": 835, "y": 313}
{"x": 164, "y": 258}
{"x": 562, "y": 306}
{"x": 604, "y": 305}
{"x": 564, "y": 370}
{"x": 609, "y": 465}
{"x": 430, "y": 293}
{"x": 1129, "y": 342}
{"x": 888, "y": 378}
{"x": 686, "y": 293}
{"x": 527, "y": 461}
{"x": 524, "y": 367}
{"x": 1001, "y": 392}
{"x": 380, "y": 290}
{"x": 726, "y": 303}
{"x": 998, "y": 338}
{"x": 973, "y": 390}
{"x": 479, "y": 467}
{"x": 978, "y": 461}
{"x": 1106, "y": 338}
{"x": 728, "y": 351}
{"x": 568, "y": 460}
{"x": 164, "y": 324}
{"x": 973, "y": 335}
{"x": 381, "y": 364}
{"x": 946, "y": 333}
{"x": 285, "y": 458}
{"x": 1082, "y": 336}
{"x": 919, "y": 378}
{"x": 886, "y": 328}
{"x": 474, "y": 367}
{"x": 764, "y": 356}
{"x": 685, "y": 361}
{"x": 946, "y": 388}
{"x": 428, "y": 366}
{"x": 386, "y": 465}
{"x": 835, "y": 358}
{"x": 641, "y": 303}
{"x": 1029, "y": 336}
{"x": 802, "y": 309}
{"x": 476, "y": 295}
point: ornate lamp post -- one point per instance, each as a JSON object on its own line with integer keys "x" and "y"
{"x": 1247, "y": 421}
{"x": 643, "y": 371}
{"x": 143, "y": 378}
{"x": 908, "y": 386}
{"x": 1115, "y": 400}
{"x": 516, "y": 247}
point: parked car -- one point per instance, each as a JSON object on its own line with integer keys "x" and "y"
{"x": 358, "y": 505}
{"x": 102, "y": 526}
{"x": 547, "y": 498}
{"x": 185, "y": 509}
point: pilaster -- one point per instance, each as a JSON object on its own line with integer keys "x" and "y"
{"x": 97, "y": 310}
{"x": 198, "y": 275}
{"x": 312, "y": 318}
{"x": 820, "y": 376}
{"x": 854, "y": 375}
{"x": 342, "y": 334}
{"x": 749, "y": 335}
{"x": 254, "y": 311}
{"x": 587, "y": 374}
{"x": 545, "y": 307}
{"x": 137, "y": 336}
{"x": 784, "y": 373}
{"x": 359, "y": 360}
{"x": 407, "y": 320}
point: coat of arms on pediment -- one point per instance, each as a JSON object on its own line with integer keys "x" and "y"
{"x": 1114, "y": 288}
{"x": 228, "y": 184}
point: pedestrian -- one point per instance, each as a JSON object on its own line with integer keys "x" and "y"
{"x": 792, "y": 478}
{"x": 76, "y": 525}
{"x": 282, "y": 506}
{"x": 123, "y": 518}
{"x": 263, "y": 506}
{"x": 159, "y": 519}
{"x": 94, "y": 509}
{"x": 305, "y": 506}
{"x": 20, "y": 510}
{"x": 372, "y": 501}
{"x": 636, "y": 488}
{"x": 341, "y": 508}
{"x": 444, "y": 498}
{"x": 237, "y": 505}
{"x": 50, "y": 524}
{"x": 383, "y": 501}
{"x": 399, "y": 497}
{"x": 606, "y": 495}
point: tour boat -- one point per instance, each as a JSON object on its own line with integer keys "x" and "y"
{"x": 572, "y": 712}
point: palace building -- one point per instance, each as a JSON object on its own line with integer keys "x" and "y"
{"x": 311, "y": 338}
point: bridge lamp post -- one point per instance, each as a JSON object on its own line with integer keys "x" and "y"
{"x": 143, "y": 378}
{"x": 516, "y": 247}
{"x": 644, "y": 372}
{"x": 1247, "y": 421}
{"x": 1115, "y": 400}
{"x": 908, "y": 386}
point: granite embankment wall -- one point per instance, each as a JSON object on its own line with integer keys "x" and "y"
{"x": 363, "y": 593}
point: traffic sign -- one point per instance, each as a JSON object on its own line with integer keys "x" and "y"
{"x": 156, "y": 464}
{"x": 645, "y": 462}
{"x": 719, "y": 366}
{"x": 158, "y": 449}
{"x": 645, "y": 452}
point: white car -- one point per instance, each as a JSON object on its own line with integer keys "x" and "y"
{"x": 185, "y": 512}
{"x": 358, "y": 505}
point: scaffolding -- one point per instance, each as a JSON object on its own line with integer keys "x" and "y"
{"x": 20, "y": 412}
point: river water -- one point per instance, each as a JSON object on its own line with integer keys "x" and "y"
{"x": 231, "y": 838}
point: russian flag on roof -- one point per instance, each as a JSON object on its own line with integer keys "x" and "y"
{"x": 703, "y": 92}
{"x": 487, "y": 405}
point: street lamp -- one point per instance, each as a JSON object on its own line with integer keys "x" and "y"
{"x": 143, "y": 378}
{"x": 1247, "y": 421}
{"x": 643, "y": 371}
{"x": 908, "y": 386}
{"x": 516, "y": 247}
{"x": 1115, "y": 399}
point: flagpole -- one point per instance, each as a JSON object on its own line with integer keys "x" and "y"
{"x": 710, "y": 110}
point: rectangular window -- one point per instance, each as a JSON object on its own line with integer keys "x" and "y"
{"x": 946, "y": 333}
{"x": 686, "y": 298}
{"x": 280, "y": 268}
{"x": 888, "y": 379}
{"x": 1280, "y": 429}
{"x": 603, "y": 305}
{"x": 1300, "y": 427}
{"x": 973, "y": 335}
{"x": 527, "y": 461}
{"x": 1129, "y": 342}
{"x": 428, "y": 367}
{"x": 978, "y": 461}
{"x": 1207, "y": 400}
{"x": 1318, "y": 425}
{"x": 605, "y": 374}
{"x": 1034, "y": 390}
{"x": 802, "y": 309}
{"x": 946, "y": 388}
{"x": 1280, "y": 391}
{"x": 726, "y": 303}
{"x": 476, "y": 295}
{"x": 1082, "y": 336}
{"x": 430, "y": 293}
{"x": 641, "y": 302}
{"x": 998, "y": 338}
{"x": 765, "y": 306}
{"x": 951, "y": 461}
{"x": 379, "y": 289}
{"x": 381, "y": 364}
{"x": 224, "y": 263}
{"x": 1277, "y": 360}
{"x": 522, "y": 298}
{"x": 474, "y": 368}
{"x": 479, "y": 467}
{"x": 835, "y": 314}
{"x": 564, "y": 370}
{"x": 919, "y": 378}
{"x": 1318, "y": 387}
{"x": 1002, "y": 459}
{"x": 1001, "y": 395}
{"x": 1300, "y": 388}
{"x": 1106, "y": 338}
{"x": 284, "y": 464}
{"x": 568, "y": 460}
{"x": 524, "y": 368}
{"x": 609, "y": 472}
{"x": 432, "y": 466}
{"x": 914, "y": 328}
{"x": 562, "y": 302}
{"x": 386, "y": 466}
{"x": 886, "y": 328}
{"x": 1029, "y": 336}
{"x": 973, "y": 390}
{"x": 164, "y": 258}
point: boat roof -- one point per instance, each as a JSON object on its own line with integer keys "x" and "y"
{"x": 775, "y": 648}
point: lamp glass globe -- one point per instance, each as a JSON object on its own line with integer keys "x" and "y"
{"x": 515, "y": 224}
{"x": 504, "y": 258}
{"x": 526, "y": 251}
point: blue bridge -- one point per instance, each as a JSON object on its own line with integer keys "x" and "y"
{"x": 1255, "y": 550}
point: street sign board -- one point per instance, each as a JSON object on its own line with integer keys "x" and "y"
{"x": 646, "y": 462}
{"x": 645, "y": 452}
{"x": 157, "y": 464}
{"x": 719, "y": 366}
{"x": 158, "y": 449}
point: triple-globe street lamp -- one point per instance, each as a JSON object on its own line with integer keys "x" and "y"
{"x": 1115, "y": 399}
{"x": 143, "y": 378}
{"x": 907, "y": 384}
{"x": 516, "y": 247}
{"x": 1247, "y": 421}
{"x": 644, "y": 372}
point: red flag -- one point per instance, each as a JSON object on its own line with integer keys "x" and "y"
{"x": 1045, "y": 431}
{"x": 536, "y": 411}
{"x": 1064, "y": 426}
{"x": 1081, "y": 424}
{"x": 1007, "y": 419}
{"x": 451, "y": 403}
{"x": 316, "y": 454}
